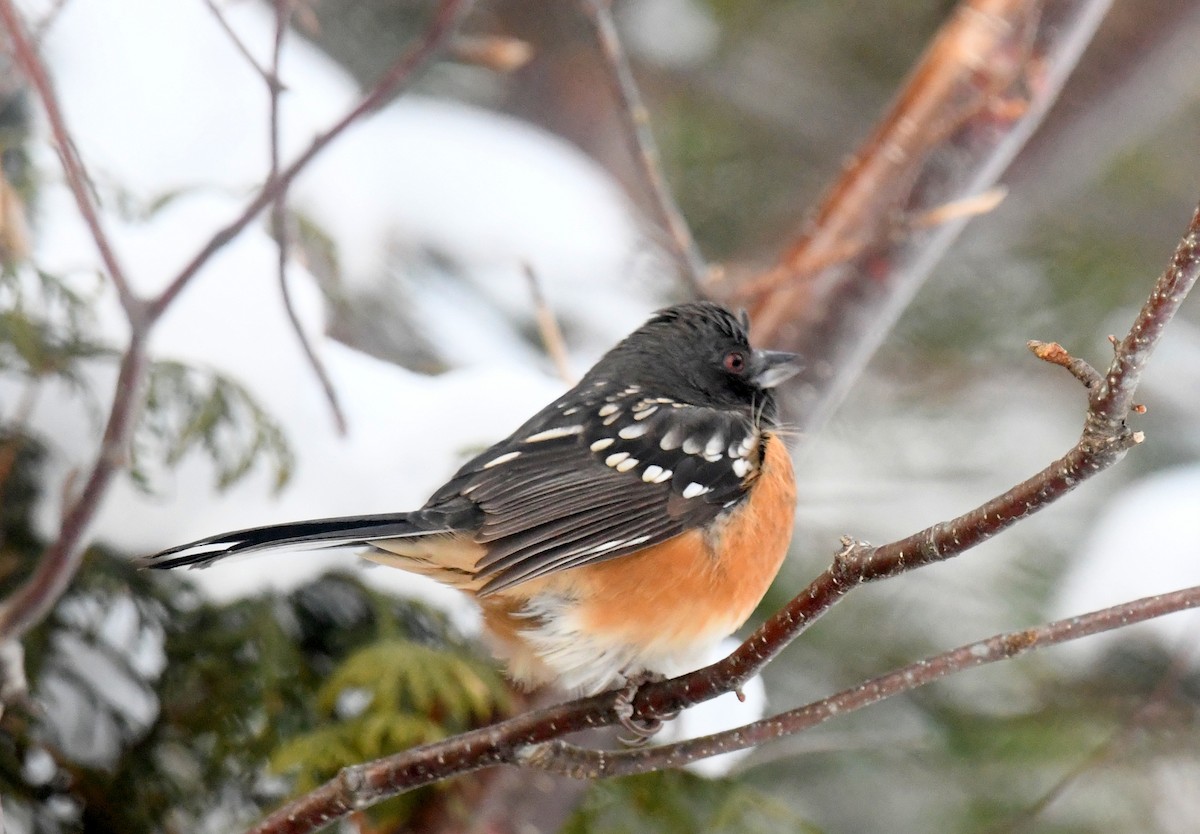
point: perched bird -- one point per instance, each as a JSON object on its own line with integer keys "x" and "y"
{"x": 622, "y": 531}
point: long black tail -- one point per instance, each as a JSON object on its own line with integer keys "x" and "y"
{"x": 321, "y": 532}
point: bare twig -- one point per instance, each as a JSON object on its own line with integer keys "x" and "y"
{"x": 552, "y": 337}
{"x": 77, "y": 177}
{"x": 283, "y": 13}
{"x": 400, "y": 74}
{"x": 1056, "y": 354}
{"x": 642, "y": 146}
{"x": 270, "y": 76}
{"x": 560, "y": 757}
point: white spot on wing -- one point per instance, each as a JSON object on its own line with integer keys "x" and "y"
{"x": 630, "y": 432}
{"x": 741, "y": 467}
{"x": 693, "y": 446}
{"x": 615, "y": 459}
{"x": 626, "y": 465}
{"x": 609, "y": 410}
{"x": 644, "y": 413}
{"x": 652, "y": 472}
{"x": 554, "y": 434}
{"x": 694, "y": 490}
{"x": 602, "y": 444}
{"x": 671, "y": 440}
{"x": 505, "y": 458}
{"x": 714, "y": 448}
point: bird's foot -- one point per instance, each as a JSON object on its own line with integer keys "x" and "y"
{"x": 645, "y": 727}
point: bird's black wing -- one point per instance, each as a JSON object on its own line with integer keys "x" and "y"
{"x": 601, "y": 473}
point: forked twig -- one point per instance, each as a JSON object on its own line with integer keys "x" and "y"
{"x": 401, "y": 73}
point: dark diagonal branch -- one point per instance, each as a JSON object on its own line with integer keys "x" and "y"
{"x": 533, "y": 738}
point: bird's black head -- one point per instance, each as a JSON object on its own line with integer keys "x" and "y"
{"x": 697, "y": 353}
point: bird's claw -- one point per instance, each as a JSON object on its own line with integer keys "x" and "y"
{"x": 645, "y": 727}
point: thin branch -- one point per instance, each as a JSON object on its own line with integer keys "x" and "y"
{"x": 1113, "y": 400}
{"x": 270, "y": 76}
{"x": 283, "y": 13}
{"x": 552, "y": 337}
{"x": 59, "y": 562}
{"x": 76, "y": 173}
{"x": 642, "y": 146}
{"x": 402, "y": 73}
{"x": 560, "y": 757}
{"x": 520, "y": 740}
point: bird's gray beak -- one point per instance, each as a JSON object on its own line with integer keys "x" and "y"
{"x": 771, "y": 367}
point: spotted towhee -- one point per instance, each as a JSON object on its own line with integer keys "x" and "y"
{"x": 622, "y": 531}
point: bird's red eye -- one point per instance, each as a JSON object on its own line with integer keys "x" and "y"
{"x": 735, "y": 362}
